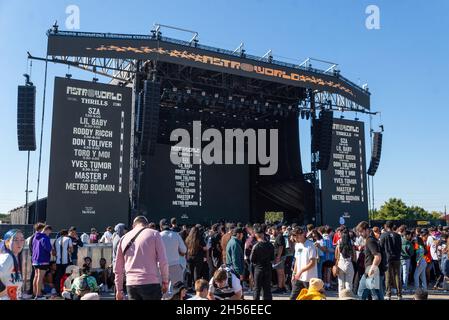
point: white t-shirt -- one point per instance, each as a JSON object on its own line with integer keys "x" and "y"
{"x": 106, "y": 238}
{"x": 235, "y": 282}
{"x": 173, "y": 243}
{"x": 195, "y": 297}
{"x": 7, "y": 276}
{"x": 66, "y": 244}
{"x": 431, "y": 242}
{"x": 85, "y": 238}
{"x": 303, "y": 254}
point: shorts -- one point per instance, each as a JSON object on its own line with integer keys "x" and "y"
{"x": 44, "y": 267}
{"x": 280, "y": 265}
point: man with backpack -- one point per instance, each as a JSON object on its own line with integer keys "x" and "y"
{"x": 391, "y": 245}
{"x": 225, "y": 285}
{"x": 141, "y": 256}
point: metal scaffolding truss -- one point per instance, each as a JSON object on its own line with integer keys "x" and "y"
{"x": 335, "y": 102}
{"x": 119, "y": 69}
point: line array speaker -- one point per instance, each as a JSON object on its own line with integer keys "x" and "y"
{"x": 26, "y": 105}
{"x": 150, "y": 116}
{"x": 375, "y": 153}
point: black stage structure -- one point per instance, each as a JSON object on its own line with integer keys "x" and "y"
{"x": 177, "y": 82}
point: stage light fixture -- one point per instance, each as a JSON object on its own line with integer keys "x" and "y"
{"x": 95, "y": 79}
{"x": 303, "y": 114}
{"x": 68, "y": 75}
{"x": 307, "y": 115}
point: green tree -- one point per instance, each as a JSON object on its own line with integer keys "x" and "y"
{"x": 396, "y": 209}
{"x": 393, "y": 209}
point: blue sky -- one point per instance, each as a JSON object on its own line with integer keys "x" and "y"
{"x": 405, "y": 64}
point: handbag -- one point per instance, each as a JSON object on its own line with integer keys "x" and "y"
{"x": 335, "y": 270}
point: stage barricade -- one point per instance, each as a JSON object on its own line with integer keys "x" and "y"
{"x": 96, "y": 251}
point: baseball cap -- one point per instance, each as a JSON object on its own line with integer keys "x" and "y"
{"x": 164, "y": 223}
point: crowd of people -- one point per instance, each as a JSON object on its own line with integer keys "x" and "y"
{"x": 229, "y": 261}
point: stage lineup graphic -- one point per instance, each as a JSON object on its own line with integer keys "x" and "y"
{"x": 223, "y": 155}
{"x": 89, "y": 165}
{"x": 344, "y": 182}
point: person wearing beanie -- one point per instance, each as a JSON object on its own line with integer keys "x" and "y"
{"x": 119, "y": 232}
{"x": 11, "y": 280}
{"x": 314, "y": 292}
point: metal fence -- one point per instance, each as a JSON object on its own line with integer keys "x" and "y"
{"x": 95, "y": 251}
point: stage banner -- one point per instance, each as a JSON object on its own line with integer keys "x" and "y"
{"x": 99, "y": 45}
{"x": 90, "y": 153}
{"x": 344, "y": 187}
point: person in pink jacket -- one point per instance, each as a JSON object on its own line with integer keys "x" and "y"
{"x": 141, "y": 257}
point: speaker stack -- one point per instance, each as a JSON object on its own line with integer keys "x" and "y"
{"x": 323, "y": 138}
{"x": 375, "y": 153}
{"x": 150, "y": 116}
{"x": 26, "y": 105}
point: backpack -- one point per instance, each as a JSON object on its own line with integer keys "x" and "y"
{"x": 84, "y": 286}
{"x": 229, "y": 271}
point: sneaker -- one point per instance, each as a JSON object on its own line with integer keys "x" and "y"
{"x": 400, "y": 298}
{"x": 279, "y": 291}
{"x": 40, "y": 298}
{"x": 387, "y": 298}
{"x": 27, "y": 296}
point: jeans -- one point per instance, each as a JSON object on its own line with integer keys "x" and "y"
{"x": 420, "y": 273}
{"x": 345, "y": 278}
{"x": 392, "y": 276}
{"x": 405, "y": 270}
{"x": 437, "y": 271}
{"x": 262, "y": 281}
{"x": 364, "y": 292}
{"x": 144, "y": 292}
{"x": 297, "y": 286}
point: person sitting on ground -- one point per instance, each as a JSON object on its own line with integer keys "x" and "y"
{"x": 49, "y": 279}
{"x": 420, "y": 294}
{"x": 314, "y": 292}
{"x": 201, "y": 289}
{"x": 224, "y": 285}
{"x": 88, "y": 261}
{"x": 103, "y": 276}
{"x": 71, "y": 272}
{"x": 179, "y": 291}
{"x": 84, "y": 284}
